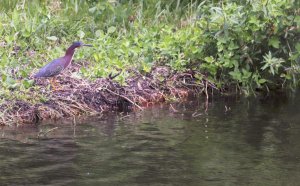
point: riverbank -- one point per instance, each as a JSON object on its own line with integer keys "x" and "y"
{"x": 76, "y": 96}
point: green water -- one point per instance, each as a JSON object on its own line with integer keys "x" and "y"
{"x": 229, "y": 141}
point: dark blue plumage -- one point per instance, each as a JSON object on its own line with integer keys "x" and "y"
{"x": 51, "y": 69}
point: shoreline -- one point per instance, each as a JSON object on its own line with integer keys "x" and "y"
{"x": 83, "y": 97}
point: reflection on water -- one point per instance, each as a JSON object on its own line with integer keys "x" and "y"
{"x": 235, "y": 142}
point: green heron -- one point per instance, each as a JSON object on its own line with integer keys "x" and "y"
{"x": 56, "y": 66}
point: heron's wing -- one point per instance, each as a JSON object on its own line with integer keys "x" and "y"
{"x": 51, "y": 69}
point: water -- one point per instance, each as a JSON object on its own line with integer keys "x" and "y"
{"x": 229, "y": 141}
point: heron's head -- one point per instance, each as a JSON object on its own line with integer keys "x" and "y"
{"x": 80, "y": 44}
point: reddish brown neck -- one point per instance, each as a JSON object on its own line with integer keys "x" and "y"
{"x": 69, "y": 55}
{"x": 70, "y": 51}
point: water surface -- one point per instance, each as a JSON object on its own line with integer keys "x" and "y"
{"x": 229, "y": 141}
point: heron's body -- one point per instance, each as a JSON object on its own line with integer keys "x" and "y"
{"x": 51, "y": 69}
{"x": 56, "y": 66}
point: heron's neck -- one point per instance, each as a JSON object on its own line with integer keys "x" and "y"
{"x": 69, "y": 55}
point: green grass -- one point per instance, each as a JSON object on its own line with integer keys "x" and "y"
{"x": 237, "y": 43}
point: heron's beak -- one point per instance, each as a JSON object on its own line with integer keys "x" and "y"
{"x": 87, "y": 45}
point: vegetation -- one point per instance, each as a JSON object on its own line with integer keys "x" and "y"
{"x": 246, "y": 44}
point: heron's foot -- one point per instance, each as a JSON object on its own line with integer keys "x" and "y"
{"x": 55, "y": 86}
{"x": 55, "y": 89}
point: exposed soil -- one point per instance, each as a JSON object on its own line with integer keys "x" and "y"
{"x": 78, "y": 96}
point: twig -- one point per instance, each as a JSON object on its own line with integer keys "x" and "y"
{"x": 124, "y": 98}
{"x": 196, "y": 114}
{"x": 174, "y": 110}
{"x": 46, "y": 132}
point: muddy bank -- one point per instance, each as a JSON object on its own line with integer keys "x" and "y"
{"x": 77, "y": 96}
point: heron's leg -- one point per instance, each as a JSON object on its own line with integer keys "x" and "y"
{"x": 55, "y": 85}
{"x": 52, "y": 82}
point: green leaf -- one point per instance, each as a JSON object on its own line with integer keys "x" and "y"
{"x": 265, "y": 66}
{"x": 274, "y": 42}
{"x": 26, "y": 33}
{"x": 28, "y": 83}
{"x": 209, "y": 59}
{"x": 272, "y": 70}
{"x": 111, "y": 29}
{"x": 80, "y": 34}
{"x": 52, "y": 38}
{"x": 233, "y": 46}
{"x": 146, "y": 67}
{"x": 262, "y": 81}
{"x": 93, "y": 9}
{"x": 236, "y": 75}
{"x": 297, "y": 20}
{"x": 297, "y": 47}
{"x": 99, "y": 33}
{"x": 4, "y": 77}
